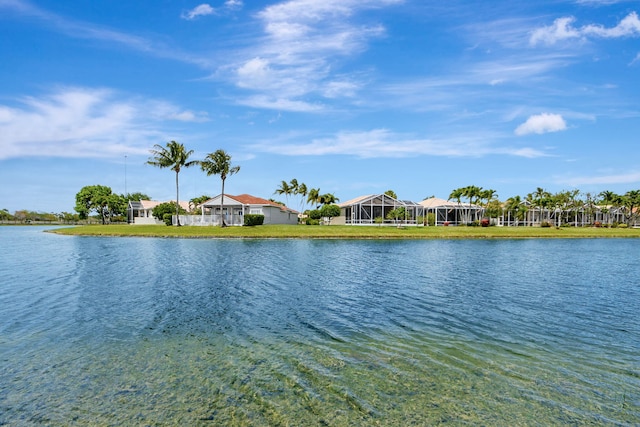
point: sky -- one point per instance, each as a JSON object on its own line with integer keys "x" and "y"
{"x": 353, "y": 97}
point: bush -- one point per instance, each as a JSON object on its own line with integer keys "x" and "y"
{"x": 622, "y": 225}
{"x": 597, "y": 224}
{"x": 160, "y": 210}
{"x": 168, "y": 218}
{"x": 253, "y": 219}
{"x": 485, "y": 222}
{"x": 310, "y": 221}
{"x": 545, "y": 224}
{"x": 315, "y": 214}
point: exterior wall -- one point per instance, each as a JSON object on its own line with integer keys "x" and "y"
{"x": 274, "y": 215}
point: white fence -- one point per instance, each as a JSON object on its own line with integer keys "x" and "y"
{"x": 209, "y": 220}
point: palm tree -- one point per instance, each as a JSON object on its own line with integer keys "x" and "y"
{"x": 514, "y": 206}
{"x": 173, "y": 156}
{"x": 219, "y": 163}
{"x": 313, "y": 197}
{"x": 457, "y": 195}
{"x": 285, "y": 188}
{"x": 302, "y": 192}
{"x": 608, "y": 200}
{"x": 472, "y": 193}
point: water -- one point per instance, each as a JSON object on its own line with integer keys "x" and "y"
{"x": 139, "y": 331}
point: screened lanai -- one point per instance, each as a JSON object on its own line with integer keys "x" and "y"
{"x": 375, "y": 209}
{"x": 451, "y": 213}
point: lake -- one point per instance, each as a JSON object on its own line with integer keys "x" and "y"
{"x": 144, "y": 331}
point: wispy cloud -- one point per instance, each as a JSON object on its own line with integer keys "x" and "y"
{"x": 84, "y": 122}
{"x": 542, "y": 123}
{"x": 612, "y": 179}
{"x": 205, "y": 9}
{"x": 88, "y": 31}
{"x": 299, "y": 50}
{"x": 200, "y": 10}
{"x": 387, "y": 144}
{"x": 563, "y": 29}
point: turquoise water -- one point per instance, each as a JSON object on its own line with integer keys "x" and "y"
{"x": 140, "y": 331}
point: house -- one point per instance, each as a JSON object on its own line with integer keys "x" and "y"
{"x": 234, "y": 209}
{"x": 448, "y": 212}
{"x": 374, "y": 209}
{"x": 141, "y": 211}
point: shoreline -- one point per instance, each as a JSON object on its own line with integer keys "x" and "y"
{"x": 345, "y": 232}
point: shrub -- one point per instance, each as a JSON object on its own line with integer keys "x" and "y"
{"x": 168, "y": 218}
{"x": 378, "y": 220}
{"x": 253, "y": 219}
{"x": 485, "y": 222}
{"x": 310, "y": 221}
{"x": 166, "y": 208}
{"x": 315, "y": 214}
{"x": 622, "y": 225}
{"x": 597, "y": 224}
{"x": 545, "y": 224}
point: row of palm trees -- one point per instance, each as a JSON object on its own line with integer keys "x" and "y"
{"x": 557, "y": 206}
{"x": 176, "y": 157}
{"x": 308, "y": 196}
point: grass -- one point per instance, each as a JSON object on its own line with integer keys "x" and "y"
{"x": 347, "y": 232}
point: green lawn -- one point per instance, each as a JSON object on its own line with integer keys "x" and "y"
{"x": 347, "y": 232}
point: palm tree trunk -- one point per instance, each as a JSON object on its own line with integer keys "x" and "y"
{"x": 222, "y": 224}
{"x": 177, "y": 202}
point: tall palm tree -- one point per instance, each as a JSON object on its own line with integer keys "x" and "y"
{"x": 471, "y": 192}
{"x": 302, "y": 192}
{"x": 173, "y": 156}
{"x": 284, "y": 189}
{"x": 313, "y": 197}
{"x": 457, "y": 195}
{"x": 219, "y": 163}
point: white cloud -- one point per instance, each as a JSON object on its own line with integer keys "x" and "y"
{"x": 563, "y": 29}
{"x": 200, "y": 10}
{"x": 383, "y": 143}
{"x": 301, "y": 44}
{"x": 84, "y": 122}
{"x": 233, "y": 4}
{"x": 626, "y": 178}
{"x": 280, "y": 104}
{"x": 542, "y": 123}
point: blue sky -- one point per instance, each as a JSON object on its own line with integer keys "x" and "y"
{"x": 352, "y": 96}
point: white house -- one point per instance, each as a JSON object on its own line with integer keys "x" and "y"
{"x": 234, "y": 209}
{"x": 140, "y": 211}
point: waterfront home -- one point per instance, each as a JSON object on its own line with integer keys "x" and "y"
{"x": 140, "y": 212}
{"x": 236, "y": 207}
{"x": 375, "y": 209}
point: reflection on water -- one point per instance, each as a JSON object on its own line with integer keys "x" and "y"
{"x": 107, "y": 331}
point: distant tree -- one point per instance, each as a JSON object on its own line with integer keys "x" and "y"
{"x": 630, "y": 203}
{"x": 5, "y": 215}
{"x": 328, "y": 199}
{"x": 219, "y": 163}
{"x": 135, "y": 197}
{"x": 539, "y": 199}
{"x": 313, "y": 197}
{"x": 102, "y": 200}
{"x": 160, "y": 210}
{"x": 330, "y": 211}
{"x": 391, "y": 193}
{"x": 197, "y": 201}
{"x": 173, "y": 156}
{"x": 515, "y": 208}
